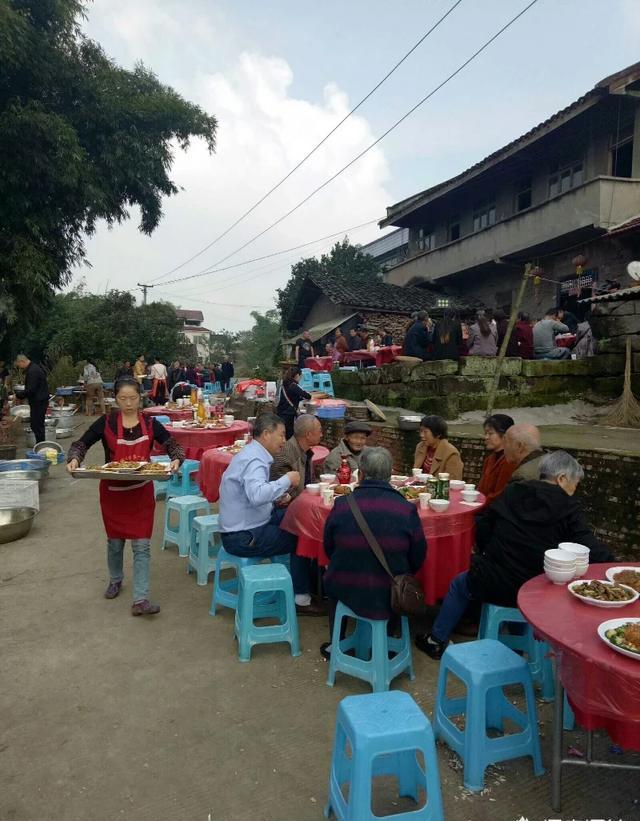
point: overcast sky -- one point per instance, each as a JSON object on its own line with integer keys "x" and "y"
{"x": 279, "y": 75}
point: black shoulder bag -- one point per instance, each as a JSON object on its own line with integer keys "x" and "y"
{"x": 407, "y": 596}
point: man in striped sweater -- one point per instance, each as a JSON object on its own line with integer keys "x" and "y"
{"x": 355, "y": 576}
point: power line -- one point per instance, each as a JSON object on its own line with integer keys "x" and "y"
{"x": 315, "y": 148}
{"x": 382, "y": 137}
{"x": 214, "y": 270}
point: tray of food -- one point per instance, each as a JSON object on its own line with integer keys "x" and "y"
{"x": 629, "y": 576}
{"x": 622, "y": 635}
{"x": 125, "y": 471}
{"x": 412, "y": 492}
{"x": 603, "y": 594}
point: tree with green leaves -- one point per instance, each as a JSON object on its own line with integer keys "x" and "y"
{"x": 81, "y": 139}
{"x": 259, "y": 348}
{"x": 345, "y": 261}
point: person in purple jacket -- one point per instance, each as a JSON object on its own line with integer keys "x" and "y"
{"x": 355, "y": 576}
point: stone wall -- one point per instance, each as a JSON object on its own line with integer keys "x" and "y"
{"x": 608, "y": 493}
{"x": 613, "y": 321}
{"x": 450, "y": 388}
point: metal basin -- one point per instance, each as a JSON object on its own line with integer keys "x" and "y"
{"x": 24, "y": 476}
{"x": 15, "y": 523}
{"x": 25, "y": 464}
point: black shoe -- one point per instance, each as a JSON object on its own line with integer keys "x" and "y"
{"x": 324, "y": 650}
{"x": 432, "y": 647}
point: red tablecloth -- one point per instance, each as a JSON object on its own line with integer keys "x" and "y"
{"x": 175, "y": 414}
{"x": 603, "y": 686}
{"x": 381, "y": 357}
{"x": 449, "y": 536}
{"x": 319, "y": 363}
{"x": 566, "y": 341}
{"x": 196, "y": 441}
{"x": 214, "y": 463}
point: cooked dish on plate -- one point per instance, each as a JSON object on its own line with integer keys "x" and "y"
{"x": 158, "y": 468}
{"x": 341, "y": 490}
{"x": 626, "y": 636}
{"x": 629, "y": 577}
{"x": 603, "y": 591}
{"x": 411, "y": 493}
{"x": 123, "y": 465}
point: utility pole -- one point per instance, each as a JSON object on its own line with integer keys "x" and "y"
{"x": 144, "y": 291}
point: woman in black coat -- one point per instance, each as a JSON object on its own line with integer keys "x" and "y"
{"x": 527, "y": 520}
{"x": 291, "y": 394}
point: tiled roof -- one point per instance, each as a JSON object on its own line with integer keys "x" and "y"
{"x": 625, "y": 227}
{"x": 615, "y": 296}
{"x": 185, "y": 313}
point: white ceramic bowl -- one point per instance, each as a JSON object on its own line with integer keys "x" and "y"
{"x": 328, "y": 477}
{"x": 605, "y": 604}
{"x": 424, "y": 477}
{"x": 559, "y": 576}
{"x": 559, "y": 556}
{"x": 469, "y": 486}
{"x": 456, "y": 484}
{"x": 314, "y": 488}
{"x": 573, "y": 547}
{"x": 439, "y": 505}
{"x": 470, "y": 495}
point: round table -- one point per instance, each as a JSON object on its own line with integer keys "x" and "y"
{"x": 196, "y": 441}
{"x": 603, "y": 686}
{"x": 214, "y": 462}
{"x": 450, "y": 536}
{"x": 174, "y": 414}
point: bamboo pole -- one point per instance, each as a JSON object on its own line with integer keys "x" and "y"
{"x": 505, "y": 342}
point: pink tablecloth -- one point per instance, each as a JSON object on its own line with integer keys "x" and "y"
{"x": 603, "y": 686}
{"x": 380, "y": 357}
{"x": 449, "y": 536}
{"x": 196, "y": 441}
{"x": 319, "y": 363}
{"x": 214, "y": 463}
{"x": 175, "y": 414}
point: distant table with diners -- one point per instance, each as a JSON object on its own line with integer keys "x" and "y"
{"x": 214, "y": 462}
{"x": 566, "y": 340}
{"x": 450, "y": 536}
{"x": 319, "y": 363}
{"x": 381, "y": 356}
{"x": 197, "y": 441}
{"x": 174, "y": 414}
{"x": 603, "y": 685}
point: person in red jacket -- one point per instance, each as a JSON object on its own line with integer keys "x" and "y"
{"x": 496, "y": 471}
{"x": 521, "y": 340}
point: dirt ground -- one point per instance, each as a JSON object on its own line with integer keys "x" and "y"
{"x": 105, "y": 716}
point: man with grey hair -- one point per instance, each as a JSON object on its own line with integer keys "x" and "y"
{"x": 36, "y": 392}
{"x": 297, "y": 455}
{"x": 522, "y": 447}
{"x": 529, "y": 518}
{"x": 355, "y": 576}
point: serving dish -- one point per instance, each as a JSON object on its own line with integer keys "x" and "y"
{"x": 594, "y": 583}
{"x": 614, "y": 625}
{"x": 158, "y": 471}
{"x": 612, "y": 572}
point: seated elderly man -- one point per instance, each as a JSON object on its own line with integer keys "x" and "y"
{"x": 528, "y": 519}
{"x": 297, "y": 454}
{"x": 249, "y": 523}
{"x": 355, "y": 576}
{"x": 522, "y": 448}
{"x": 355, "y": 438}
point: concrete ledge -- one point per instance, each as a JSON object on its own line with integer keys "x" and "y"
{"x": 486, "y": 366}
{"x": 439, "y": 367}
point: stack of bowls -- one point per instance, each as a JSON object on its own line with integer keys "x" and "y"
{"x": 559, "y": 565}
{"x": 581, "y": 553}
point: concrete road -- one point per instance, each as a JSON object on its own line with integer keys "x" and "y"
{"x": 104, "y": 716}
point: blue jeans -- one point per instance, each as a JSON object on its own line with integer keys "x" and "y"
{"x": 554, "y": 353}
{"x": 453, "y": 608}
{"x": 269, "y": 540}
{"x": 141, "y": 559}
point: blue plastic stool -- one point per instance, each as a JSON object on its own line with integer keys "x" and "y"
{"x": 225, "y": 591}
{"x": 274, "y": 580}
{"x": 306, "y": 380}
{"x": 207, "y": 387}
{"x": 385, "y": 731}
{"x": 485, "y": 667}
{"x": 322, "y": 382}
{"x": 491, "y": 620}
{"x": 160, "y": 488}
{"x": 183, "y": 483}
{"x": 372, "y": 646}
{"x": 203, "y": 546}
{"x": 164, "y": 420}
{"x": 187, "y": 507}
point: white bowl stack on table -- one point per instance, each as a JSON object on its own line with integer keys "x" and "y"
{"x": 559, "y": 565}
{"x": 581, "y": 552}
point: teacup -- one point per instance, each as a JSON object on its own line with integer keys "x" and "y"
{"x": 423, "y": 500}
{"x": 327, "y": 496}
{"x": 469, "y": 487}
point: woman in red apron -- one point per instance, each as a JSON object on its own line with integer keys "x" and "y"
{"x": 127, "y": 507}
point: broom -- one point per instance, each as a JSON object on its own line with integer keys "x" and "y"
{"x": 625, "y": 412}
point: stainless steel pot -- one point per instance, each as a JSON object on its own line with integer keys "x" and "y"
{"x": 24, "y": 476}
{"x": 15, "y": 523}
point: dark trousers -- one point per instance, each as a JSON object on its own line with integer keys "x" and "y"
{"x": 269, "y": 540}
{"x": 288, "y": 420}
{"x": 38, "y": 410}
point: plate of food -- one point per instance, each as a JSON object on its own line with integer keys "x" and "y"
{"x": 603, "y": 594}
{"x": 629, "y": 576}
{"x": 124, "y": 466}
{"x": 622, "y": 635}
{"x": 342, "y": 490}
{"x": 412, "y": 492}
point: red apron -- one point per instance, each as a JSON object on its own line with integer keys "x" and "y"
{"x": 128, "y": 507}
